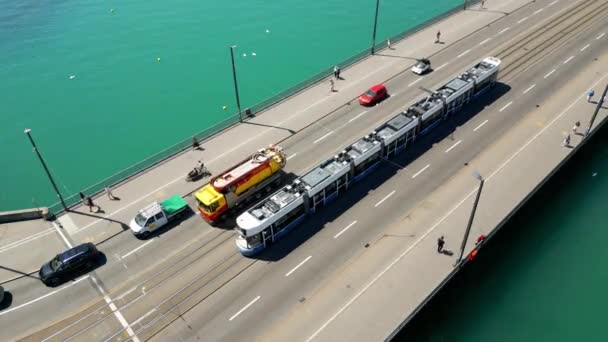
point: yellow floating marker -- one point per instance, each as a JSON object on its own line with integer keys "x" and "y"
{"x": 158, "y": 59}
{"x": 225, "y": 107}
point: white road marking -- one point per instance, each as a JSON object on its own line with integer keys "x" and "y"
{"x": 244, "y": 308}
{"x": 522, "y": 20}
{"x": 553, "y": 3}
{"x": 384, "y": 199}
{"x": 394, "y": 262}
{"x": 416, "y": 81}
{"x": 63, "y": 237}
{"x": 298, "y": 266}
{"x": 480, "y": 125}
{"x": 600, "y": 36}
{"x": 144, "y": 316}
{"x": 138, "y": 248}
{"x": 359, "y": 115}
{"x": 323, "y": 137}
{"x": 538, "y": 11}
{"x": 419, "y": 172}
{"x": 464, "y": 53}
{"x": 529, "y": 88}
{"x": 451, "y": 147}
{"x": 441, "y": 66}
{"x": 585, "y": 47}
{"x": 549, "y": 74}
{"x": 42, "y": 297}
{"x": 485, "y": 41}
{"x": 291, "y": 156}
{"x": 345, "y": 229}
{"x": 504, "y": 107}
{"x": 568, "y": 60}
{"x": 30, "y": 238}
{"x": 504, "y": 30}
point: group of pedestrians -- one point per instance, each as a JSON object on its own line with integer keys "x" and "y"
{"x": 88, "y": 200}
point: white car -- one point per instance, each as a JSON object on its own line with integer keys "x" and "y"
{"x": 422, "y": 66}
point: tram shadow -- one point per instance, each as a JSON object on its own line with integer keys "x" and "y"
{"x": 386, "y": 170}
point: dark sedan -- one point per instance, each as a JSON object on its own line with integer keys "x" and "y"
{"x": 69, "y": 264}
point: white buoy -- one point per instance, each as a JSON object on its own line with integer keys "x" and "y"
{"x": 72, "y": 77}
{"x": 267, "y": 31}
{"x": 253, "y": 54}
{"x": 594, "y": 174}
{"x": 244, "y": 55}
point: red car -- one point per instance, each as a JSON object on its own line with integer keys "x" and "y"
{"x": 374, "y": 95}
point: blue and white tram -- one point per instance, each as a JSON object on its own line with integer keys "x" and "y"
{"x": 276, "y": 215}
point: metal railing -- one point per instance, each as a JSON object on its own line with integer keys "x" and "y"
{"x": 135, "y": 169}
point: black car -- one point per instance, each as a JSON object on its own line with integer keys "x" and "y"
{"x": 69, "y": 264}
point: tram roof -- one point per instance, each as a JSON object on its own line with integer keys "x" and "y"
{"x": 395, "y": 124}
{"x": 271, "y": 206}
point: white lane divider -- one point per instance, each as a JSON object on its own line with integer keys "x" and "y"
{"x": 480, "y": 125}
{"x": 529, "y": 88}
{"x": 416, "y": 81}
{"x": 298, "y": 266}
{"x": 291, "y": 156}
{"x": 585, "y": 47}
{"x": 360, "y": 114}
{"x": 485, "y": 41}
{"x": 504, "y": 107}
{"x": 323, "y": 137}
{"x": 549, "y": 74}
{"x": 600, "y": 36}
{"x": 451, "y": 147}
{"x": 345, "y": 229}
{"x": 553, "y": 3}
{"x": 464, "y": 53}
{"x": 538, "y": 11}
{"x": 504, "y": 30}
{"x": 244, "y": 308}
{"x": 25, "y": 240}
{"x": 421, "y": 171}
{"x": 138, "y": 248}
{"x": 568, "y": 60}
{"x": 522, "y": 20}
{"x": 441, "y": 66}
{"x": 384, "y": 199}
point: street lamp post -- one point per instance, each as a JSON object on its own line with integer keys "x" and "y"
{"x": 236, "y": 86}
{"x": 471, "y": 217}
{"x": 46, "y": 169}
{"x": 600, "y": 102}
{"x": 375, "y": 25}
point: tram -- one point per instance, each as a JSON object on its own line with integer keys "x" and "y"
{"x": 275, "y": 216}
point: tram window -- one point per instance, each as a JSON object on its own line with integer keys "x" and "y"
{"x": 367, "y": 163}
{"x": 331, "y": 188}
{"x": 255, "y": 240}
{"x": 288, "y": 218}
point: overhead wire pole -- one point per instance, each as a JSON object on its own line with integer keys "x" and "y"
{"x": 600, "y": 102}
{"x": 471, "y": 217}
{"x": 375, "y": 25}
{"x": 236, "y": 86}
{"x": 46, "y": 169}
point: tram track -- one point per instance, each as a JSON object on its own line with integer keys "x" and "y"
{"x": 529, "y": 50}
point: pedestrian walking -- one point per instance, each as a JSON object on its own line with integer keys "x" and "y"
{"x": 483, "y": 2}
{"x": 440, "y": 244}
{"x": 332, "y": 84}
{"x": 89, "y": 202}
{"x": 195, "y": 144}
{"x": 590, "y": 95}
{"x": 438, "y": 37}
{"x": 109, "y": 193}
{"x": 335, "y": 71}
{"x": 576, "y": 126}
{"x": 82, "y": 197}
{"x": 388, "y": 44}
{"x": 567, "y": 141}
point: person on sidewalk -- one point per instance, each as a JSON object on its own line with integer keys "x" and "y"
{"x": 567, "y": 141}
{"x": 89, "y": 202}
{"x": 440, "y": 244}
{"x": 82, "y": 197}
{"x": 576, "y": 126}
{"x": 590, "y": 95}
{"x": 388, "y": 44}
{"x": 483, "y": 2}
{"x": 332, "y": 84}
{"x": 195, "y": 144}
{"x": 438, "y": 40}
{"x": 110, "y": 194}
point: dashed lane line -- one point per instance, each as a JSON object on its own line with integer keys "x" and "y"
{"x": 504, "y": 30}
{"x": 522, "y": 20}
{"x": 464, "y": 53}
{"x": 441, "y": 66}
{"x": 298, "y": 266}
{"x": 421, "y": 171}
{"x": 529, "y": 88}
{"x": 480, "y": 125}
{"x": 359, "y": 115}
{"x": 538, "y": 11}
{"x": 384, "y": 199}
{"x": 291, "y": 156}
{"x": 568, "y": 60}
{"x": 136, "y": 249}
{"x": 323, "y": 137}
{"x": 451, "y": 147}
{"x": 600, "y": 36}
{"x": 244, "y": 308}
{"x": 345, "y": 229}
{"x": 585, "y": 47}
{"x": 549, "y": 74}
{"x": 504, "y": 107}
{"x": 485, "y": 41}
{"x": 416, "y": 81}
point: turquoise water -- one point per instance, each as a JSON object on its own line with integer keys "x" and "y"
{"x": 544, "y": 276}
{"x": 123, "y": 105}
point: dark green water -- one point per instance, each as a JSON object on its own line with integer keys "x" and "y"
{"x": 544, "y": 276}
{"x": 123, "y": 105}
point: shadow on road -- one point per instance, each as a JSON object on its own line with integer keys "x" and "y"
{"x": 23, "y": 274}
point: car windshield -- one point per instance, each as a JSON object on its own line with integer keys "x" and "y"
{"x": 370, "y": 93}
{"x": 55, "y": 263}
{"x": 421, "y": 64}
{"x": 140, "y": 220}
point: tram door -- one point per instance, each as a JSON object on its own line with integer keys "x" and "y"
{"x": 267, "y": 236}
